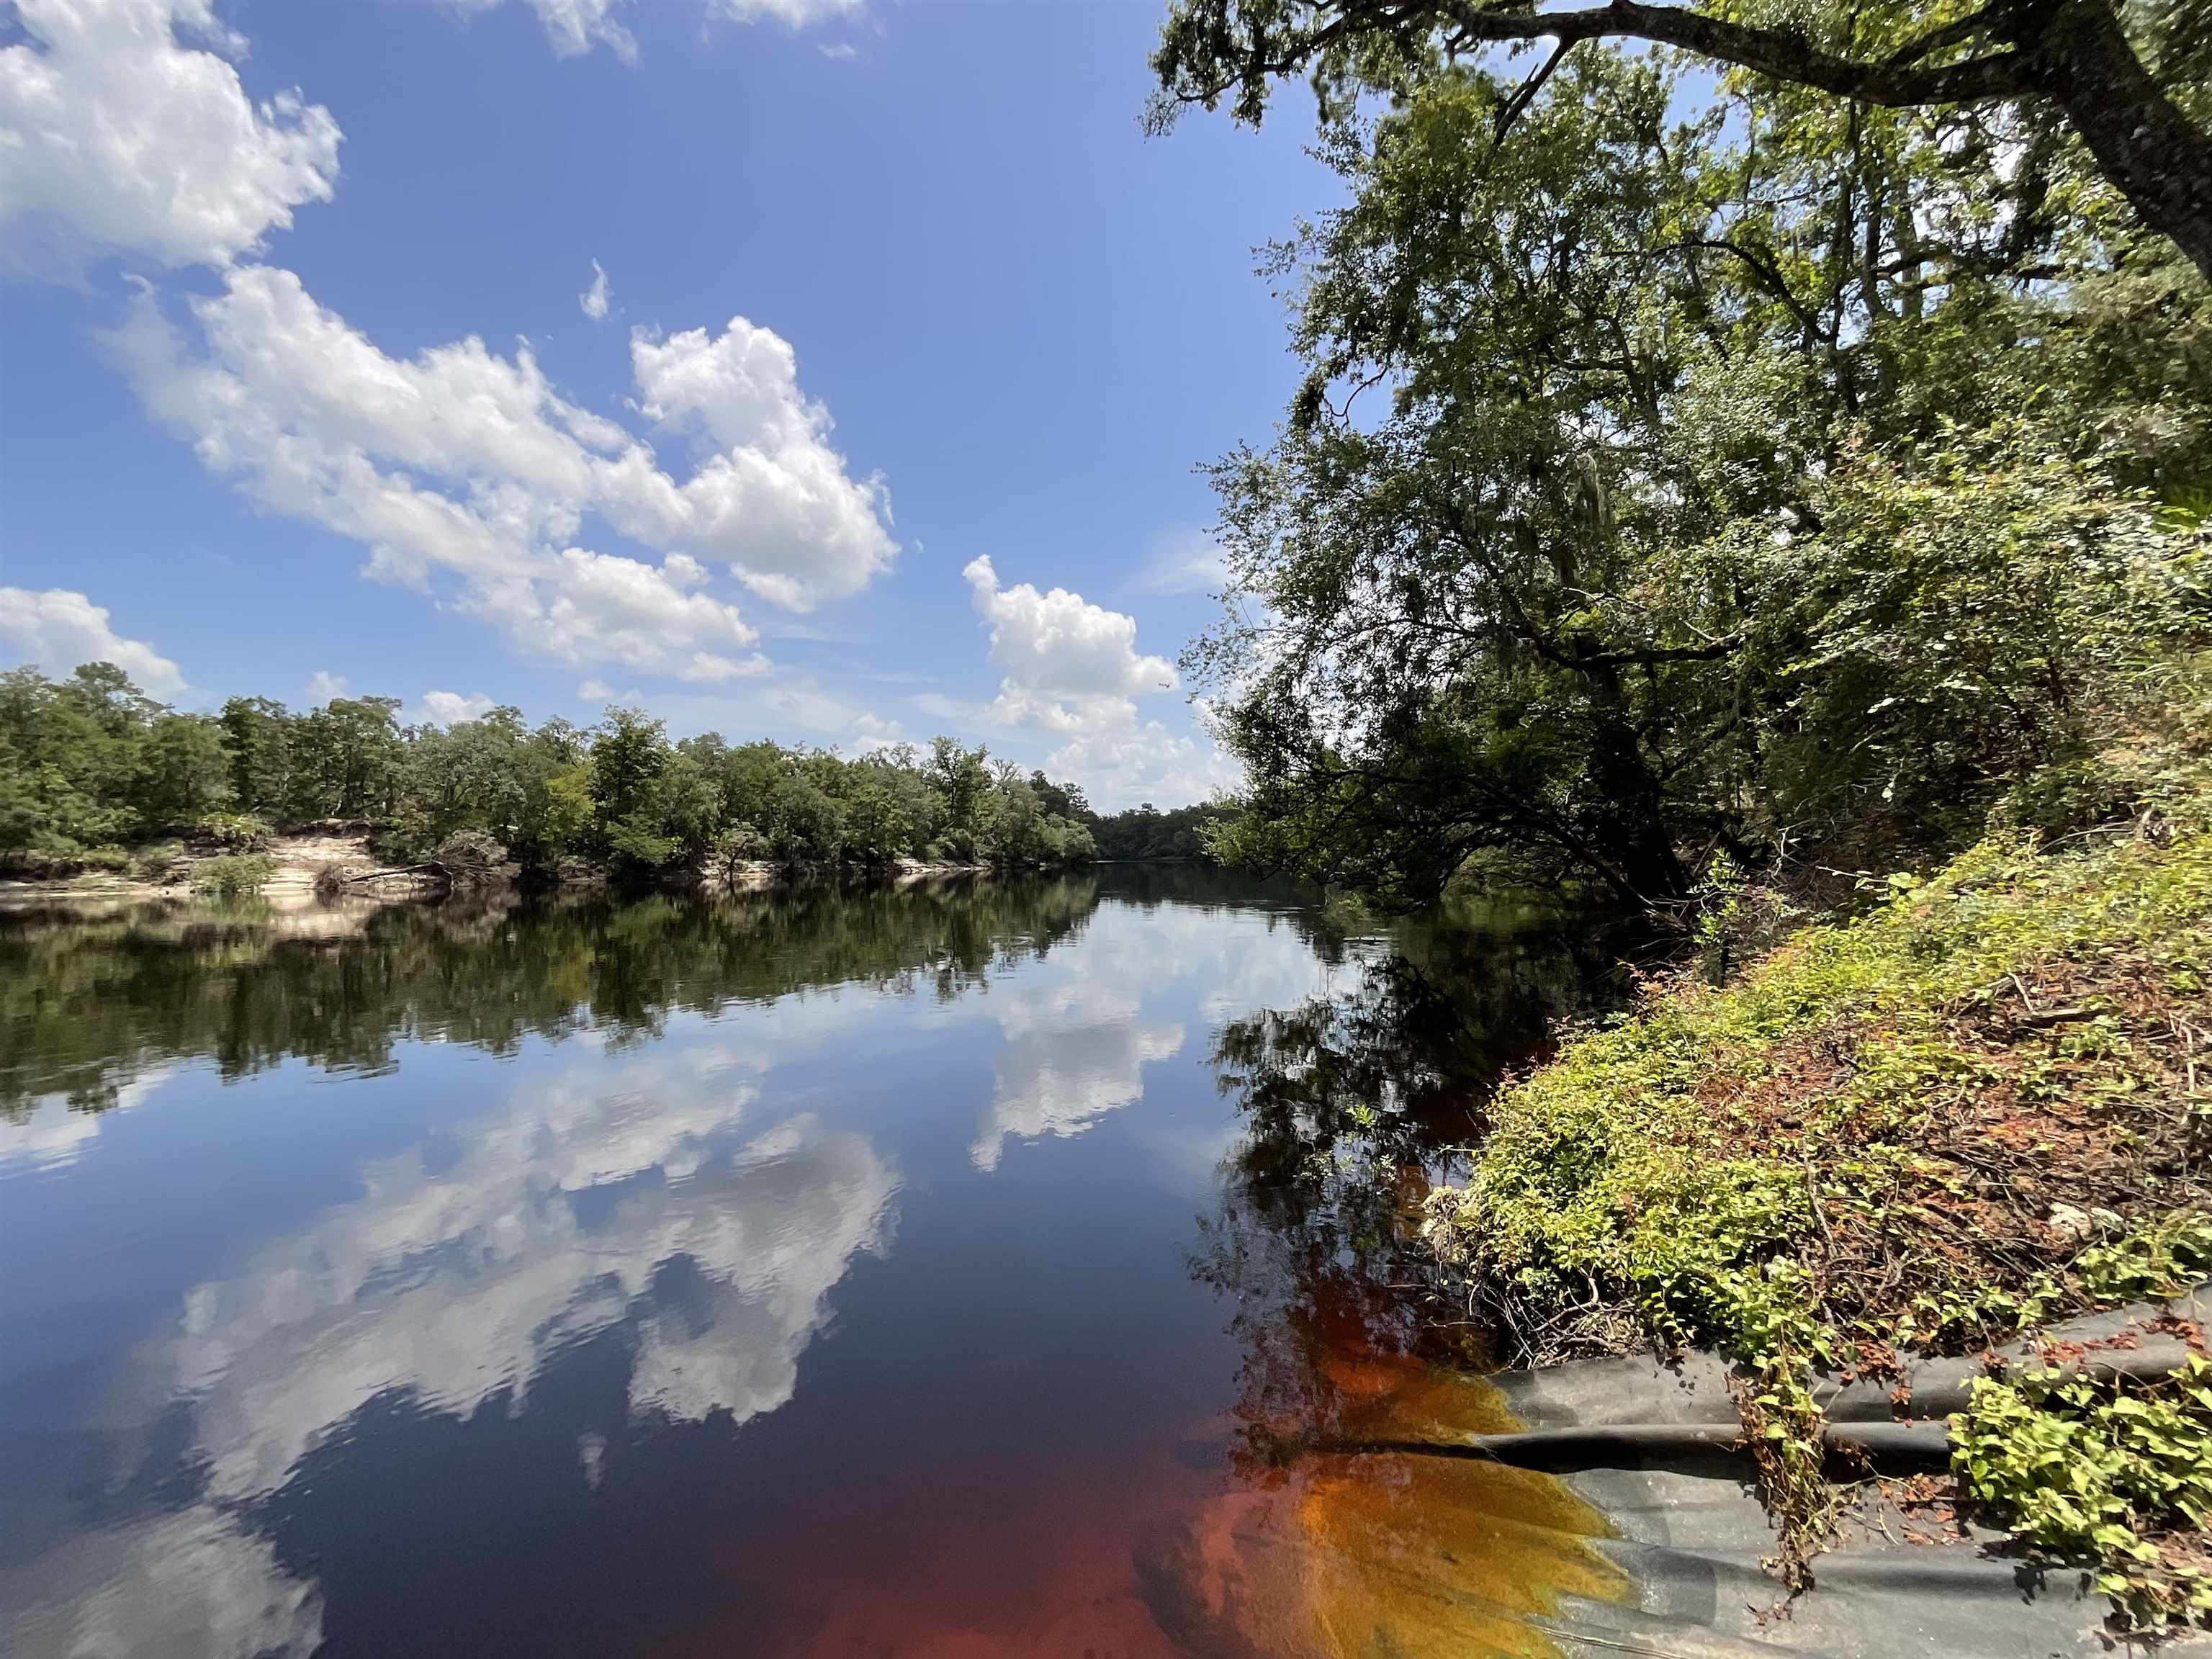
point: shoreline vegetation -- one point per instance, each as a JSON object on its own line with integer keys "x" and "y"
{"x": 104, "y": 790}
{"x": 1760, "y": 479}
{"x": 1973, "y": 1112}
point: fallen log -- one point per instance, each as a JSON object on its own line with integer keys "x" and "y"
{"x": 432, "y": 867}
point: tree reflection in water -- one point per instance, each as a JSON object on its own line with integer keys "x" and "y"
{"x": 1351, "y": 1106}
{"x": 88, "y": 1003}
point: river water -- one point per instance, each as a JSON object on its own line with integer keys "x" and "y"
{"x": 944, "y": 1270}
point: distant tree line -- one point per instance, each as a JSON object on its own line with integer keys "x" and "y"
{"x": 1146, "y": 834}
{"x": 90, "y": 768}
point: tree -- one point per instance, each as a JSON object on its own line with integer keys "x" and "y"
{"x": 964, "y": 776}
{"x": 557, "y": 818}
{"x": 690, "y": 805}
{"x": 1060, "y": 799}
{"x": 629, "y": 753}
{"x": 1514, "y": 608}
{"x": 347, "y": 757}
{"x": 2072, "y": 58}
{"x": 69, "y": 758}
{"x": 183, "y": 771}
{"x": 257, "y": 742}
{"x": 803, "y": 825}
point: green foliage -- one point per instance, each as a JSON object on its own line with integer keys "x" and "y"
{"x": 89, "y": 764}
{"x": 1966, "y": 619}
{"x": 70, "y": 773}
{"x": 347, "y": 759}
{"x": 2163, "y": 1259}
{"x": 182, "y": 771}
{"x": 636, "y": 848}
{"x": 231, "y": 875}
{"x": 163, "y": 862}
{"x": 1788, "y": 476}
{"x": 2092, "y": 100}
{"x": 1144, "y": 833}
{"x": 735, "y": 849}
{"x": 1695, "y": 1164}
{"x": 235, "y": 832}
{"x": 2099, "y": 1473}
{"x": 629, "y": 754}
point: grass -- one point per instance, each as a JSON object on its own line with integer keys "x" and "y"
{"x": 1980, "y": 1106}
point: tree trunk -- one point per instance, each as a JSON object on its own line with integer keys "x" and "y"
{"x": 1633, "y": 823}
{"x": 2074, "y": 53}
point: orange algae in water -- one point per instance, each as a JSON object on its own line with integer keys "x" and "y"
{"x": 1339, "y": 1556}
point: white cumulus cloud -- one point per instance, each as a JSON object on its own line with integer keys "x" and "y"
{"x": 798, "y": 14}
{"x": 574, "y": 27}
{"x": 773, "y": 497}
{"x": 1072, "y": 672}
{"x": 116, "y": 135}
{"x": 1121, "y": 763}
{"x": 58, "y": 630}
{"x": 1058, "y": 645}
{"x": 465, "y": 473}
{"x": 450, "y": 709}
{"x": 125, "y": 128}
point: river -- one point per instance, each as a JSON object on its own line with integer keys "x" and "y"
{"x": 941, "y": 1270}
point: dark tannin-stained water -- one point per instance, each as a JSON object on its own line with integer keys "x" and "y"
{"x": 939, "y": 1271}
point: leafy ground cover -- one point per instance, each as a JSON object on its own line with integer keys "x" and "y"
{"x": 1980, "y": 1106}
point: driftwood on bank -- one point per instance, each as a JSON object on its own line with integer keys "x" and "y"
{"x": 336, "y": 880}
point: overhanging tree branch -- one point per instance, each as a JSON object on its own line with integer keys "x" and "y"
{"x": 2072, "y": 56}
{"x": 1768, "y": 52}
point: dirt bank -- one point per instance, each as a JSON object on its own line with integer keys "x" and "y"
{"x": 299, "y": 859}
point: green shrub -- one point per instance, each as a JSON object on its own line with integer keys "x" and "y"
{"x": 164, "y": 861}
{"x": 233, "y": 874}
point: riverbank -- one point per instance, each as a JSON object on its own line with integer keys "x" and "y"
{"x": 1975, "y": 1111}
{"x": 296, "y": 860}
{"x": 299, "y": 862}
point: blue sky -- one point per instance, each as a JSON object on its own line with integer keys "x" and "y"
{"x": 911, "y": 341}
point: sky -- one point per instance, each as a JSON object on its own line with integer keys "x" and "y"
{"x": 833, "y": 371}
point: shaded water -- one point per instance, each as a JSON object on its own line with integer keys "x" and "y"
{"x": 935, "y": 1271}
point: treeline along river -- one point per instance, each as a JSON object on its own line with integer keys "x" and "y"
{"x": 947, "y": 1269}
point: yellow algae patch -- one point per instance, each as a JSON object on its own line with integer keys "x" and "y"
{"x": 1344, "y": 1555}
{"x": 1424, "y": 1556}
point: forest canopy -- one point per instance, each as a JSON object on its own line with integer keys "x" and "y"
{"x": 90, "y": 768}
{"x": 1686, "y": 465}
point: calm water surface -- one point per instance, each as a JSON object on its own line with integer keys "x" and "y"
{"x": 941, "y": 1270}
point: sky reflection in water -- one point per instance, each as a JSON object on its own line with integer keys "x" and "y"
{"x": 821, "y": 1275}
